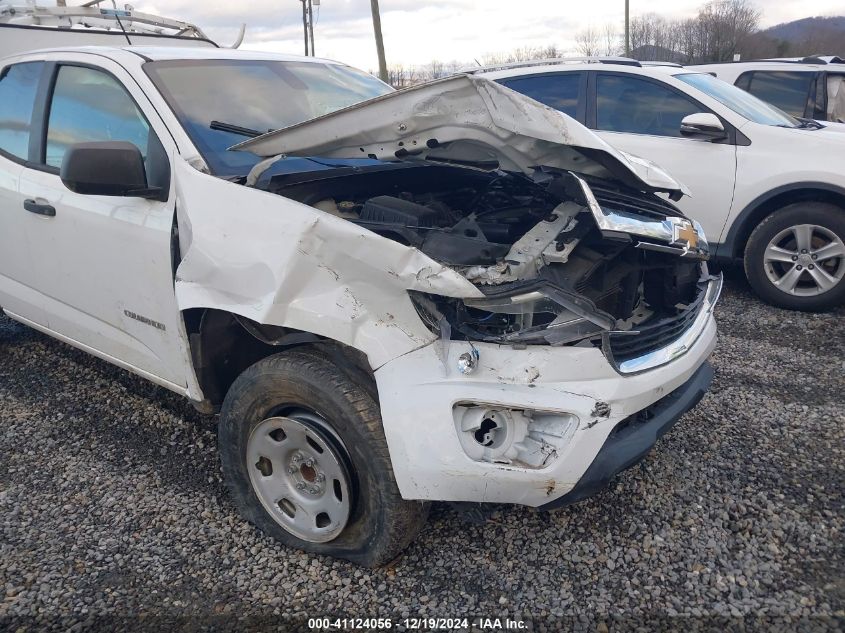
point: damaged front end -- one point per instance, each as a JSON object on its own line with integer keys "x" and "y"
{"x": 517, "y": 286}
{"x": 559, "y": 259}
{"x": 589, "y": 270}
{"x": 563, "y": 236}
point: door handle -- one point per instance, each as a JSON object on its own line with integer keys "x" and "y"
{"x": 41, "y": 209}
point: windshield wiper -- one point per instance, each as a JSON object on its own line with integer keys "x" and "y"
{"x": 235, "y": 129}
{"x": 809, "y": 123}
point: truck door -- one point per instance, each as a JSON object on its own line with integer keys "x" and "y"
{"x": 104, "y": 263}
{"x": 18, "y": 286}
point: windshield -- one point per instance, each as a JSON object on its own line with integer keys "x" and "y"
{"x": 741, "y": 102}
{"x": 246, "y": 97}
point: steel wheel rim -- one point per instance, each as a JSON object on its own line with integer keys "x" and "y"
{"x": 805, "y": 260}
{"x": 297, "y": 468}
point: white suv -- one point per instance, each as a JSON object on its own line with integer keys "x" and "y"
{"x": 812, "y": 87}
{"x": 768, "y": 188}
{"x": 440, "y": 300}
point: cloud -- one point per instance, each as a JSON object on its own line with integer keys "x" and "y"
{"x": 416, "y": 31}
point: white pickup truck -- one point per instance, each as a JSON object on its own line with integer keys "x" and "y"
{"x": 446, "y": 293}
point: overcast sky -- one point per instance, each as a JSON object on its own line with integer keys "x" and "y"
{"x": 418, "y": 31}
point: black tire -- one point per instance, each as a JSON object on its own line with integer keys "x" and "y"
{"x": 820, "y": 214}
{"x": 381, "y": 524}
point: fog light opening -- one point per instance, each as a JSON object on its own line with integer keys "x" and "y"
{"x": 516, "y": 437}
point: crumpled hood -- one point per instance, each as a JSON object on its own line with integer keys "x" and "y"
{"x": 467, "y": 120}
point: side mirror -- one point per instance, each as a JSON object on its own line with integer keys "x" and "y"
{"x": 110, "y": 168}
{"x": 703, "y": 125}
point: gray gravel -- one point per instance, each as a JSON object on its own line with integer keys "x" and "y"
{"x": 112, "y": 506}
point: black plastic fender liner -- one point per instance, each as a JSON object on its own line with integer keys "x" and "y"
{"x": 630, "y": 445}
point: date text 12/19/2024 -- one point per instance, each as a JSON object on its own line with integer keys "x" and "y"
{"x": 416, "y": 624}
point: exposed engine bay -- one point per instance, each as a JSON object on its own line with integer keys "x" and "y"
{"x": 561, "y": 258}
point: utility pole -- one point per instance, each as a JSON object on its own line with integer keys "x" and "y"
{"x": 311, "y": 24}
{"x": 382, "y": 64}
{"x": 308, "y": 25}
{"x": 627, "y": 29}
{"x": 305, "y": 25}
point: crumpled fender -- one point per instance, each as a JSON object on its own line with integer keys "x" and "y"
{"x": 279, "y": 262}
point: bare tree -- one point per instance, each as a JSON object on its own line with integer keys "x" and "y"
{"x": 721, "y": 28}
{"x": 587, "y": 42}
{"x": 612, "y": 41}
{"x": 433, "y": 70}
{"x": 688, "y": 36}
{"x": 412, "y": 76}
{"x": 523, "y": 54}
{"x": 653, "y": 38}
{"x": 396, "y": 76}
{"x": 725, "y": 25}
{"x": 642, "y": 32}
{"x": 550, "y": 51}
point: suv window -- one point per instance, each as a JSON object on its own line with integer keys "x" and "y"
{"x": 630, "y": 104}
{"x": 743, "y": 103}
{"x": 787, "y": 90}
{"x": 558, "y": 91}
{"x": 743, "y": 81}
{"x": 90, "y": 105}
{"x": 18, "y": 85}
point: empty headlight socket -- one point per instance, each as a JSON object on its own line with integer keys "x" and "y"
{"x": 518, "y": 437}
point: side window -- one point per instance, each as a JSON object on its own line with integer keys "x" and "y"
{"x": 744, "y": 81}
{"x": 787, "y": 90}
{"x": 89, "y": 105}
{"x": 558, "y": 91}
{"x": 836, "y": 98}
{"x": 18, "y": 85}
{"x": 630, "y": 104}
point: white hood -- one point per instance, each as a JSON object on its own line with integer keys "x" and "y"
{"x": 468, "y": 120}
{"x": 832, "y": 127}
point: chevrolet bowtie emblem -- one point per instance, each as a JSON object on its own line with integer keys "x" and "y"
{"x": 684, "y": 233}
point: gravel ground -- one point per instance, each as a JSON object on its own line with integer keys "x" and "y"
{"x": 112, "y": 506}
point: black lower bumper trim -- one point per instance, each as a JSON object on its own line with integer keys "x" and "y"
{"x": 634, "y": 437}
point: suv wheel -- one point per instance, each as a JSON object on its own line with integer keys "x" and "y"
{"x": 795, "y": 258}
{"x": 305, "y": 458}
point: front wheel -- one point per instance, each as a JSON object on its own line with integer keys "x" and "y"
{"x": 795, "y": 258}
{"x": 305, "y": 458}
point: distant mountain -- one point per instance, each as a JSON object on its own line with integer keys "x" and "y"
{"x": 805, "y": 28}
{"x": 807, "y": 36}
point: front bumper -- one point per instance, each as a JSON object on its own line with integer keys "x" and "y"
{"x": 630, "y": 443}
{"x": 576, "y": 386}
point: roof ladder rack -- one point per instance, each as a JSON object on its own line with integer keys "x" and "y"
{"x": 90, "y": 15}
